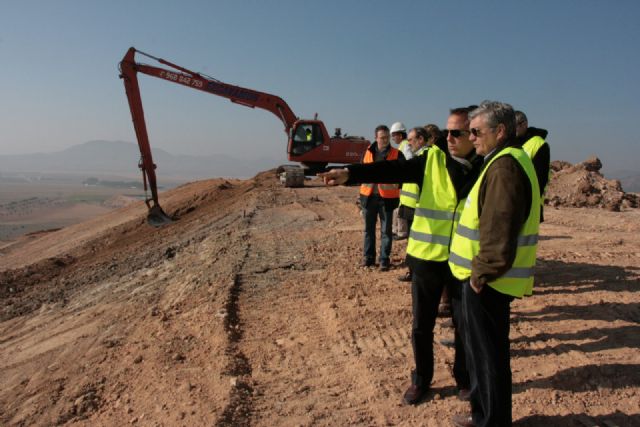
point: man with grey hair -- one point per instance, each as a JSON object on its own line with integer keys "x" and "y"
{"x": 493, "y": 252}
{"x": 533, "y": 141}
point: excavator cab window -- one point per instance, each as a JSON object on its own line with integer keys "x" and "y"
{"x": 306, "y": 137}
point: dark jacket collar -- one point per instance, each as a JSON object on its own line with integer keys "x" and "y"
{"x": 374, "y": 148}
{"x": 531, "y": 132}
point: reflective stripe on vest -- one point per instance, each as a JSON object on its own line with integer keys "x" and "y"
{"x": 387, "y": 191}
{"x": 435, "y": 215}
{"x": 465, "y": 245}
{"x": 531, "y": 147}
{"x": 410, "y": 192}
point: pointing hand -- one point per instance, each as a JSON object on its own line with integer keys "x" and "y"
{"x": 335, "y": 176}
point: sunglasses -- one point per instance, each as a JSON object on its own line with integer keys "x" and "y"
{"x": 456, "y": 133}
{"x": 476, "y": 131}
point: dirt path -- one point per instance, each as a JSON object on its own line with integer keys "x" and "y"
{"x": 251, "y": 310}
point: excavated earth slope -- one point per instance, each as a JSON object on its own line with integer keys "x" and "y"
{"x": 583, "y": 186}
{"x": 251, "y": 310}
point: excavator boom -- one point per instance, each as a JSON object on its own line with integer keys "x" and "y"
{"x": 239, "y": 95}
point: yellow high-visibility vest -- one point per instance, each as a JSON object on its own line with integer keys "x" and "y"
{"x": 410, "y": 192}
{"x": 436, "y": 212}
{"x": 465, "y": 245}
{"x": 531, "y": 147}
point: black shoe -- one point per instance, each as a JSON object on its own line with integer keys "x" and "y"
{"x": 398, "y": 237}
{"x": 463, "y": 421}
{"x": 414, "y": 395}
{"x": 405, "y": 277}
{"x": 367, "y": 263}
{"x": 384, "y": 266}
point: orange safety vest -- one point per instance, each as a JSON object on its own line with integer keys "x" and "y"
{"x": 387, "y": 191}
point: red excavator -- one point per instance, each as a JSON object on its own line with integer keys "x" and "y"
{"x": 309, "y": 141}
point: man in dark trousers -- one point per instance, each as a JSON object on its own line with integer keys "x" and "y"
{"x": 379, "y": 200}
{"x": 445, "y": 176}
{"x": 493, "y": 252}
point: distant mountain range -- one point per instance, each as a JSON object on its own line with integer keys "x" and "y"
{"x": 121, "y": 158}
{"x": 117, "y": 157}
{"x": 630, "y": 180}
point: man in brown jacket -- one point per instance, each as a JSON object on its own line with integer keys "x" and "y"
{"x": 505, "y": 205}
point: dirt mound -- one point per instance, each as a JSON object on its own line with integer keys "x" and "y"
{"x": 582, "y": 185}
{"x": 250, "y": 309}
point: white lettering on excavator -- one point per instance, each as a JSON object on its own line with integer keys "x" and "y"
{"x": 169, "y": 76}
{"x": 185, "y": 80}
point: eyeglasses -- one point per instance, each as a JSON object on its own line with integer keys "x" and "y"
{"x": 456, "y": 133}
{"x": 476, "y": 131}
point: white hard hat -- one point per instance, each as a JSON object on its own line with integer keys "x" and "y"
{"x": 398, "y": 127}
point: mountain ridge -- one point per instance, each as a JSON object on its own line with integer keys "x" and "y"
{"x": 103, "y": 156}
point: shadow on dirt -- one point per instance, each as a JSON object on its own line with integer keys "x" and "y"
{"x": 580, "y": 420}
{"x": 558, "y": 277}
{"x": 606, "y": 311}
{"x": 587, "y": 378}
{"x": 555, "y": 277}
{"x": 600, "y": 339}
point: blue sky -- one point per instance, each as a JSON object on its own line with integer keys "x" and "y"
{"x": 572, "y": 66}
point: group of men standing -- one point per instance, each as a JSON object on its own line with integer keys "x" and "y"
{"x": 474, "y": 232}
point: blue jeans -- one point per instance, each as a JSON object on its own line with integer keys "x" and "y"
{"x": 375, "y": 208}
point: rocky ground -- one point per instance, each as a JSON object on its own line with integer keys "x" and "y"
{"x": 251, "y": 310}
{"x": 582, "y": 185}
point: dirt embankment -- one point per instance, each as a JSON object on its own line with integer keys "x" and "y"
{"x": 582, "y": 185}
{"x": 251, "y": 310}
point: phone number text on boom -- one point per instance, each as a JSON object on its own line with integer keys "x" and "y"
{"x": 179, "y": 78}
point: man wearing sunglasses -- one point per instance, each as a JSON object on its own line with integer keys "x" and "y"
{"x": 493, "y": 252}
{"x": 534, "y": 143}
{"x": 444, "y": 176}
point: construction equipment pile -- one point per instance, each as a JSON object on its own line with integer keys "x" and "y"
{"x": 582, "y": 185}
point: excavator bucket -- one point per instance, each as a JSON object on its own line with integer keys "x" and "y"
{"x": 157, "y": 217}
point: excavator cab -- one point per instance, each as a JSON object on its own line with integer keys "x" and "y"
{"x": 305, "y": 136}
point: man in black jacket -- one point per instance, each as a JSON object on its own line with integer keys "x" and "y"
{"x": 533, "y": 141}
{"x": 430, "y": 275}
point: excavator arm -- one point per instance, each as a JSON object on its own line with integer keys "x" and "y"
{"x": 129, "y": 70}
{"x": 309, "y": 143}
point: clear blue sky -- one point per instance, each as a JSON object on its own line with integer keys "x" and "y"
{"x": 572, "y": 66}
